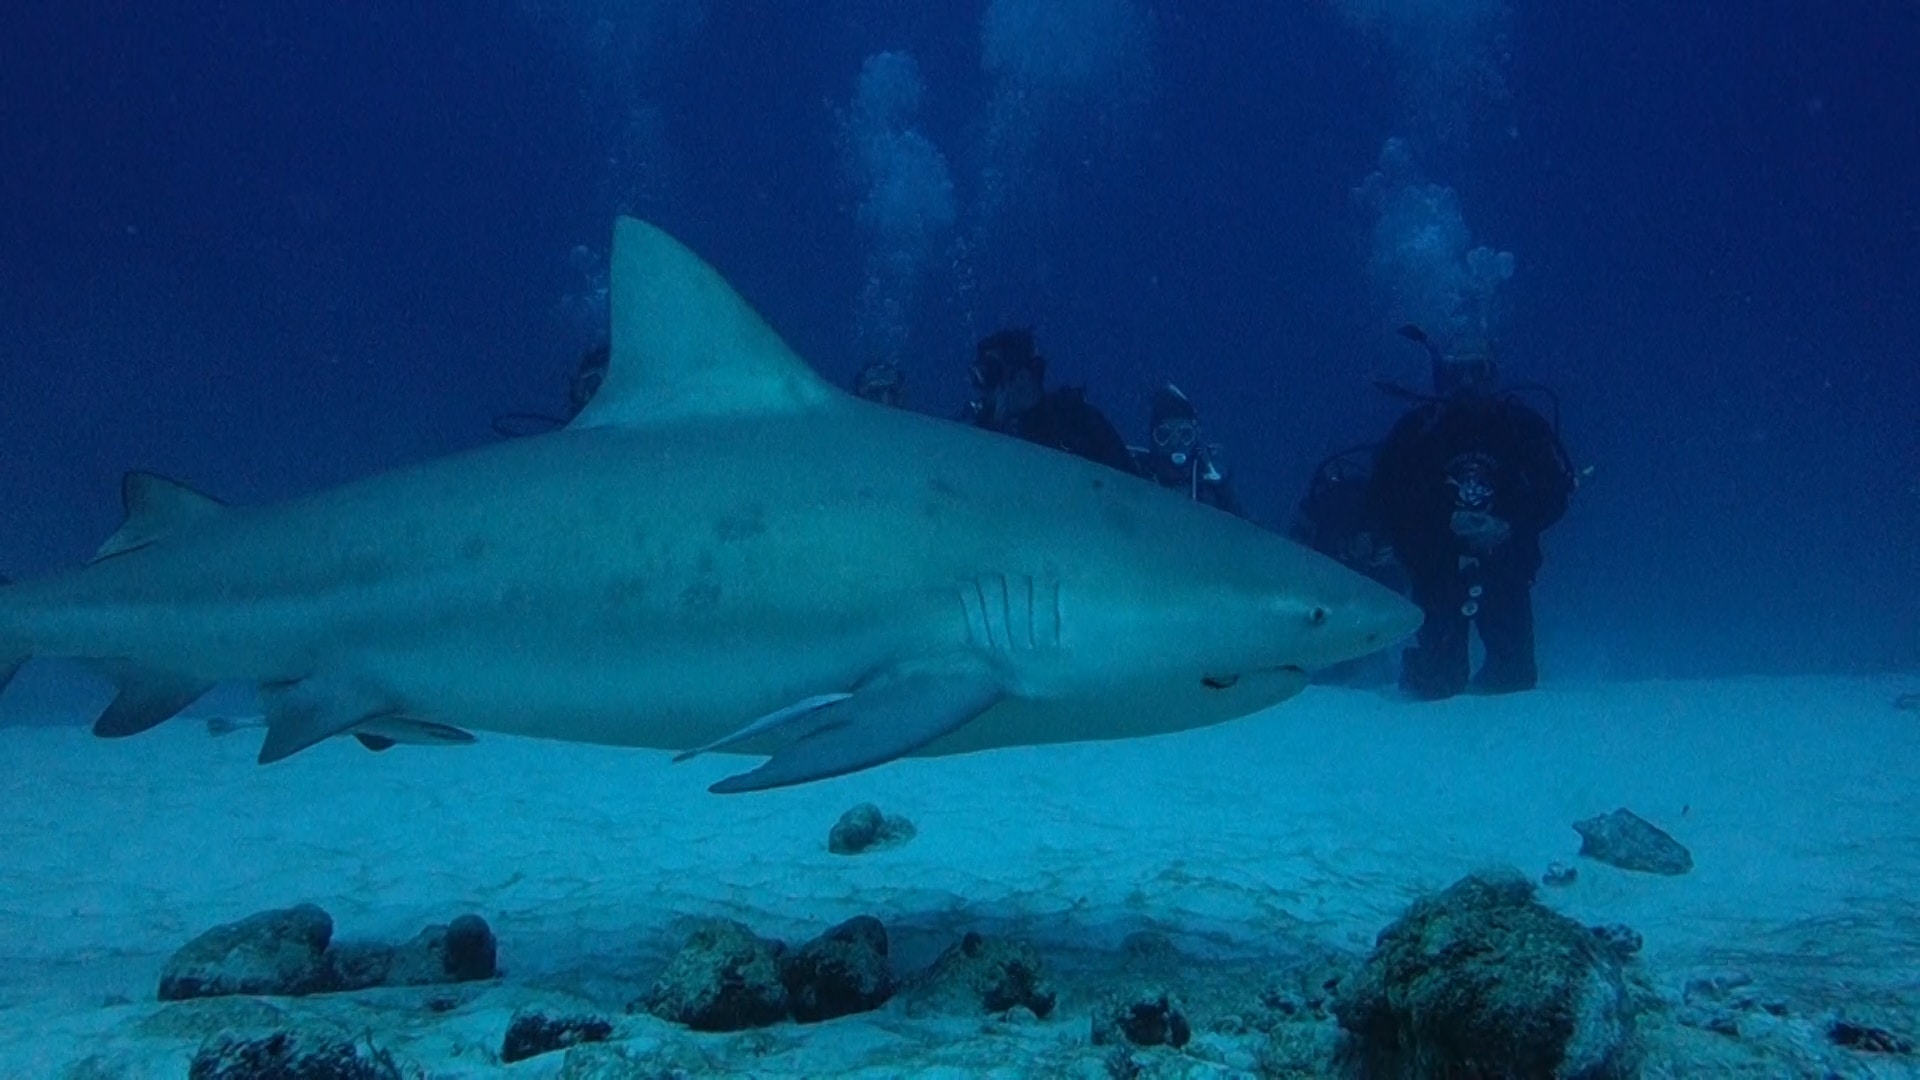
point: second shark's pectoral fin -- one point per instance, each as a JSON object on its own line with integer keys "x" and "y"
{"x": 888, "y": 717}
{"x": 146, "y": 699}
{"x": 310, "y": 711}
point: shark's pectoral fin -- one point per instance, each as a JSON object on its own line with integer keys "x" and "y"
{"x": 155, "y": 506}
{"x": 145, "y": 699}
{"x": 775, "y": 720}
{"x": 889, "y": 716}
{"x": 310, "y": 711}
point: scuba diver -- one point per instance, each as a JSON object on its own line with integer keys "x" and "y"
{"x": 1463, "y": 487}
{"x": 1178, "y": 459}
{"x": 586, "y": 380}
{"x": 1010, "y": 396}
{"x": 881, "y": 381}
{"x": 1336, "y": 518}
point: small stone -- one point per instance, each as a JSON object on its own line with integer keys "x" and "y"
{"x": 531, "y": 1033}
{"x": 1630, "y": 842}
{"x": 864, "y": 828}
{"x": 463, "y": 950}
{"x": 1867, "y": 1039}
{"x": 1622, "y": 939}
{"x": 291, "y": 1055}
{"x": 1149, "y": 1020}
{"x": 1560, "y": 875}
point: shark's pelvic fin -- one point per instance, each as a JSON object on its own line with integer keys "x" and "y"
{"x": 685, "y": 344}
{"x": 146, "y": 699}
{"x": 888, "y": 717}
{"x": 392, "y": 730}
{"x": 155, "y": 506}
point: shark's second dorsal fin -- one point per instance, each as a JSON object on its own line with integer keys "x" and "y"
{"x": 685, "y": 344}
{"x": 155, "y": 506}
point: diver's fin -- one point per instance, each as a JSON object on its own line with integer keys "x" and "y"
{"x": 888, "y": 717}
{"x": 776, "y": 719}
{"x": 146, "y": 699}
{"x": 685, "y": 344}
{"x": 303, "y": 713}
{"x": 155, "y": 506}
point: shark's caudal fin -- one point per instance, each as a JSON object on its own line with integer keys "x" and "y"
{"x": 685, "y": 344}
{"x": 155, "y": 506}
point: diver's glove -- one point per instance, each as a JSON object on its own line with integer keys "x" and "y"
{"x": 1480, "y": 531}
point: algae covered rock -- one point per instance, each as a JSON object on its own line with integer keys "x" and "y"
{"x": 291, "y": 1055}
{"x": 725, "y": 978}
{"x": 1482, "y": 981}
{"x": 983, "y": 974}
{"x": 841, "y": 972}
{"x": 865, "y": 829}
{"x": 1631, "y": 842}
{"x": 281, "y": 952}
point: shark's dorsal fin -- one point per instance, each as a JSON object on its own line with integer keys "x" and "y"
{"x": 686, "y": 345}
{"x": 155, "y": 506}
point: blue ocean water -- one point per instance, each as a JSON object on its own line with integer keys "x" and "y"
{"x": 269, "y": 247}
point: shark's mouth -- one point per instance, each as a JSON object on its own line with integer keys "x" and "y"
{"x": 1226, "y": 682}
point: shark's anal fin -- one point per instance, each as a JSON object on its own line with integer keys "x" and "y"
{"x": 890, "y": 716}
{"x": 306, "y": 712}
{"x": 155, "y": 506}
{"x": 144, "y": 700}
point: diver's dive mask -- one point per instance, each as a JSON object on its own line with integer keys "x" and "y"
{"x": 1176, "y": 438}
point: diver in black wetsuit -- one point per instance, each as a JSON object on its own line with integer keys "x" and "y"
{"x": 1178, "y": 459}
{"x": 1010, "y": 396}
{"x": 1337, "y": 518}
{"x": 1463, "y": 487}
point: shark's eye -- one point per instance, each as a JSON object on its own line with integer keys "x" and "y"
{"x": 1317, "y": 617}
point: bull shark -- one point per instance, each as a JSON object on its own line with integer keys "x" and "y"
{"x": 721, "y": 552}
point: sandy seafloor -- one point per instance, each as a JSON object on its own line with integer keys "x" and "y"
{"x": 1252, "y": 845}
